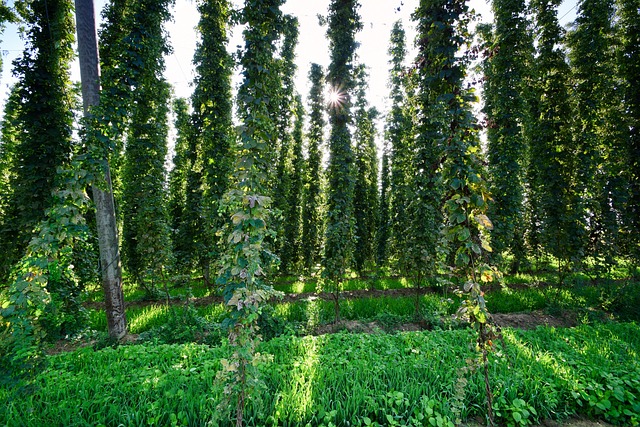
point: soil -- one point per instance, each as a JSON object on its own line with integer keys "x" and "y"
{"x": 533, "y": 319}
{"x": 576, "y": 423}
{"x": 529, "y": 320}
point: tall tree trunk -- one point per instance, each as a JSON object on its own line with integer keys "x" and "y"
{"x": 102, "y": 193}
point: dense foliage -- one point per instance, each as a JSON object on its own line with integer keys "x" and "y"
{"x": 600, "y": 172}
{"x": 261, "y": 201}
{"x": 145, "y": 241}
{"x": 365, "y": 193}
{"x": 212, "y": 138}
{"x": 312, "y": 227}
{"x": 553, "y": 158}
{"x": 508, "y": 58}
{"x": 628, "y": 32}
{"x": 246, "y": 259}
{"x": 39, "y": 125}
{"x": 398, "y": 135}
{"x": 545, "y": 373}
{"x": 178, "y": 178}
{"x": 343, "y": 23}
{"x": 557, "y": 189}
{"x": 288, "y": 177}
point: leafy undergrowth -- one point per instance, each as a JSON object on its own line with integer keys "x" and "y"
{"x": 306, "y": 316}
{"x": 405, "y": 379}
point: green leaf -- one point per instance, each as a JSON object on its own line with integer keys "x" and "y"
{"x": 464, "y": 234}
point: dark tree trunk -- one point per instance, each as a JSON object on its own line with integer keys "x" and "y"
{"x": 102, "y": 193}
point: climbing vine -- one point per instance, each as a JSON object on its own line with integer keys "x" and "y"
{"x": 10, "y": 134}
{"x": 343, "y": 23}
{"x": 292, "y": 213}
{"x": 178, "y": 181}
{"x": 246, "y": 259}
{"x": 214, "y": 134}
{"x": 313, "y": 195}
{"x": 43, "y": 295}
{"x": 382, "y": 233}
{"x": 398, "y": 134}
{"x": 597, "y": 101}
{"x": 44, "y": 103}
{"x": 285, "y": 191}
{"x": 628, "y": 32}
{"x": 146, "y": 241}
{"x": 553, "y": 158}
{"x": 443, "y": 29}
{"x": 508, "y": 58}
{"x": 365, "y": 198}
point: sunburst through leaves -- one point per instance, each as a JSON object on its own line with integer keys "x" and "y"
{"x": 335, "y": 97}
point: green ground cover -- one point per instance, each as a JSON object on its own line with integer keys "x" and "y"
{"x": 343, "y": 379}
{"x": 435, "y": 309}
{"x": 395, "y": 379}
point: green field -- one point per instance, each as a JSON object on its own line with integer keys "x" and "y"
{"x": 381, "y": 376}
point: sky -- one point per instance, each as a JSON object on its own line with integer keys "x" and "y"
{"x": 377, "y": 16}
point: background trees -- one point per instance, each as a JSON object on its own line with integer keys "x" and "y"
{"x": 559, "y": 109}
{"x": 146, "y": 244}
{"x": 365, "y": 194}
{"x": 293, "y": 209}
{"x": 212, "y": 131}
{"x": 312, "y": 227}
{"x": 507, "y": 63}
{"x": 398, "y": 135}
{"x": 552, "y": 155}
{"x": 287, "y": 186}
{"x": 628, "y": 60}
{"x": 343, "y": 23}
{"x": 39, "y": 124}
{"x": 596, "y": 102}
{"x": 182, "y": 166}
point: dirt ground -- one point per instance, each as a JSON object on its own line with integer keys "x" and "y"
{"x": 529, "y": 320}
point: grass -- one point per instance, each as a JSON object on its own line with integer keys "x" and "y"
{"x": 144, "y": 318}
{"x": 534, "y": 293}
{"x": 346, "y": 379}
{"x": 377, "y": 379}
{"x": 308, "y": 314}
{"x": 300, "y": 286}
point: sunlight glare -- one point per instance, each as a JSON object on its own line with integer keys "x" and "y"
{"x": 335, "y": 97}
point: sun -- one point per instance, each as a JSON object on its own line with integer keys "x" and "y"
{"x": 335, "y": 97}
